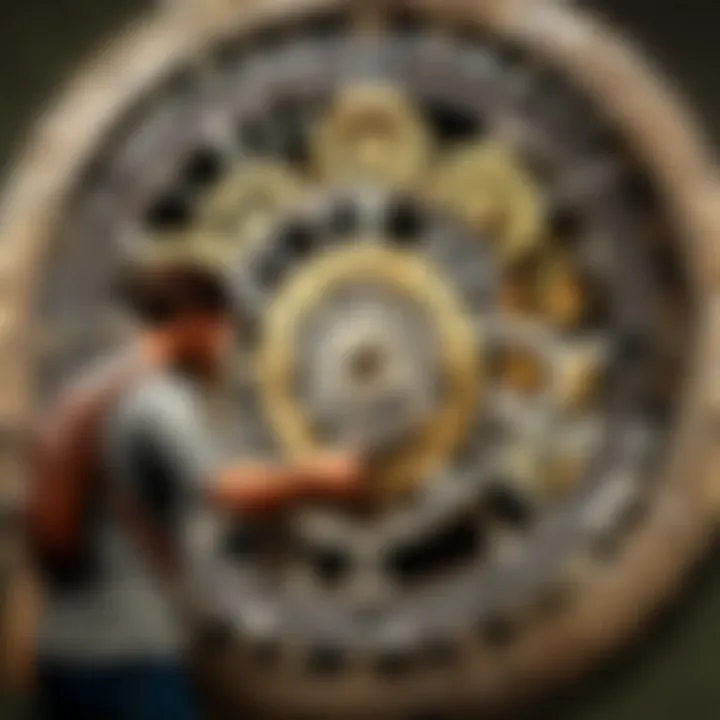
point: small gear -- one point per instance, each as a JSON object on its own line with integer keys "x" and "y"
{"x": 564, "y": 299}
{"x": 372, "y": 134}
{"x": 241, "y": 211}
{"x": 487, "y": 188}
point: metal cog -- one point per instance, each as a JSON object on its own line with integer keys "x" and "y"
{"x": 484, "y": 185}
{"x": 562, "y": 298}
{"x": 374, "y": 266}
{"x": 238, "y": 214}
{"x": 372, "y": 134}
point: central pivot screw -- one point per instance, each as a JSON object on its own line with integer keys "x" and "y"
{"x": 368, "y": 364}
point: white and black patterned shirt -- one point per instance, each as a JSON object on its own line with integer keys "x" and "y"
{"x": 157, "y": 443}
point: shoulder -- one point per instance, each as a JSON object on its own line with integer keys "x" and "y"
{"x": 161, "y": 399}
{"x": 94, "y": 377}
{"x": 78, "y": 396}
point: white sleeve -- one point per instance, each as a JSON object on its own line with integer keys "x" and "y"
{"x": 162, "y": 446}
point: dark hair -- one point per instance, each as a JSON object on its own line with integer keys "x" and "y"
{"x": 158, "y": 296}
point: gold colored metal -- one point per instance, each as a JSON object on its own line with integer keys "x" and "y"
{"x": 372, "y": 134}
{"x": 563, "y": 473}
{"x": 549, "y": 287}
{"x": 562, "y": 296}
{"x": 569, "y": 457}
{"x": 581, "y": 369}
{"x": 440, "y": 434}
{"x": 522, "y": 371}
{"x": 519, "y": 465}
{"x": 517, "y": 293}
{"x": 491, "y": 192}
{"x": 240, "y": 213}
{"x": 188, "y": 248}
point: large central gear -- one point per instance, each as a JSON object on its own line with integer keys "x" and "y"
{"x": 396, "y": 364}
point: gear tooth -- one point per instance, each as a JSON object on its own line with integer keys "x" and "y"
{"x": 485, "y": 186}
{"x": 580, "y": 375}
{"x": 241, "y": 212}
{"x": 565, "y": 297}
{"x": 372, "y": 133}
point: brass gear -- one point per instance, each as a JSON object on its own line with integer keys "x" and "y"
{"x": 522, "y": 372}
{"x": 563, "y": 299}
{"x": 240, "y": 212}
{"x": 485, "y": 186}
{"x": 187, "y": 247}
{"x": 581, "y": 369}
{"x": 547, "y": 285}
{"x": 372, "y": 134}
{"x": 406, "y": 274}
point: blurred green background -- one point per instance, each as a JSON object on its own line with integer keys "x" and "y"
{"x": 675, "y": 672}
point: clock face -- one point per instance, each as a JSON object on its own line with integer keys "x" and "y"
{"x": 464, "y": 240}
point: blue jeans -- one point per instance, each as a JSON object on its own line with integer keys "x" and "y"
{"x": 140, "y": 690}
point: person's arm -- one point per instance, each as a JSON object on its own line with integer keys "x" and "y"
{"x": 173, "y": 456}
{"x": 249, "y": 488}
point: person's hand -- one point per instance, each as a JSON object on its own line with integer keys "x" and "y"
{"x": 334, "y": 475}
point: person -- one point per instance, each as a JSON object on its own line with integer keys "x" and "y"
{"x": 110, "y": 641}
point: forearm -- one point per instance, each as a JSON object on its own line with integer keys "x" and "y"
{"x": 255, "y": 489}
